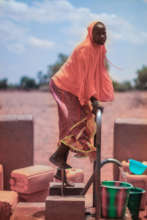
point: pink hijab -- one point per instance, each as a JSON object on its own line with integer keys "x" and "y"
{"x": 84, "y": 73}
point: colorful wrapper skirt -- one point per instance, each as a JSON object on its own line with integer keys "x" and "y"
{"x": 76, "y": 123}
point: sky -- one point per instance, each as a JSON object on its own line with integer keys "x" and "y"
{"x": 34, "y": 32}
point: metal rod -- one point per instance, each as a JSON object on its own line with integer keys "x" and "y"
{"x": 91, "y": 179}
{"x": 63, "y": 178}
{"x": 88, "y": 184}
{"x": 97, "y": 173}
{"x": 94, "y": 184}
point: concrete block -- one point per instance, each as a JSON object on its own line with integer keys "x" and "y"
{"x": 62, "y": 208}
{"x": 74, "y": 175}
{"x": 55, "y": 189}
{"x": 31, "y": 179}
{"x": 1, "y": 177}
{"x": 5, "y": 211}
{"x": 29, "y": 211}
{"x": 34, "y": 197}
{"x": 9, "y": 197}
{"x": 16, "y": 143}
{"x": 130, "y": 140}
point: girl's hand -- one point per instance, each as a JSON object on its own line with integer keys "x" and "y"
{"x": 96, "y": 105}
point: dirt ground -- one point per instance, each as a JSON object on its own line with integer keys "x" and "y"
{"x": 44, "y": 111}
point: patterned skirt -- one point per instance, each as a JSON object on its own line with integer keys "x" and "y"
{"x": 76, "y": 123}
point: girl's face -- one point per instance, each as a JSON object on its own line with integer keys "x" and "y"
{"x": 99, "y": 34}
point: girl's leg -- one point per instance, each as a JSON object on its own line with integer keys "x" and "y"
{"x": 59, "y": 157}
{"x": 70, "y": 112}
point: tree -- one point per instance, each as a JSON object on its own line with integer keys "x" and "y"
{"x": 42, "y": 78}
{"x": 141, "y": 80}
{"x": 122, "y": 87}
{"x": 3, "y": 83}
{"x": 27, "y": 83}
{"x": 52, "y": 69}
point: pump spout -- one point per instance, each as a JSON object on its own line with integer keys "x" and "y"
{"x": 111, "y": 160}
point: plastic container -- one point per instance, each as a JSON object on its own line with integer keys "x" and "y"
{"x": 136, "y": 167}
{"x": 135, "y": 201}
{"x": 114, "y": 198}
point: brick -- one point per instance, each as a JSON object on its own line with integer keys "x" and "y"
{"x": 16, "y": 143}
{"x": 34, "y": 197}
{"x": 5, "y": 211}
{"x": 9, "y": 197}
{"x": 129, "y": 140}
{"x": 31, "y": 179}
{"x": 29, "y": 211}
{"x": 55, "y": 189}
{"x": 62, "y": 208}
{"x": 73, "y": 175}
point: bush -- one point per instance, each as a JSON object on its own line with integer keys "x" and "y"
{"x": 122, "y": 87}
{"x": 28, "y": 83}
{"x": 141, "y": 80}
{"x": 3, "y": 83}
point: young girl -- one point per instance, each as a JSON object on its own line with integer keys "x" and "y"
{"x": 83, "y": 80}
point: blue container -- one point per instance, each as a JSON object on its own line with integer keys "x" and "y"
{"x": 136, "y": 167}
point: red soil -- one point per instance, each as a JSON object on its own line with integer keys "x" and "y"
{"x": 44, "y": 111}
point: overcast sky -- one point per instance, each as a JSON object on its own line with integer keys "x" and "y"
{"x": 34, "y": 32}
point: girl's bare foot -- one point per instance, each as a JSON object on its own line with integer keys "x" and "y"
{"x": 59, "y": 162}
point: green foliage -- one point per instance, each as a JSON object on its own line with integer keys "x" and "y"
{"x": 13, "y": 86}
{"x": 141, "y": 80}
{"x": 27, "y": 83}
{"x": 42, "y": 78}
{"x": 122, "y": 87}
{"x": 52, "y": 69}
{"x": 107, "y": 64}
{"x": 3, "y": 83}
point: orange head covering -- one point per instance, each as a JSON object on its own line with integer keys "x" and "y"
{"x": 84, "y": 73}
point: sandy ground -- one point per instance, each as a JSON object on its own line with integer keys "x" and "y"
{"x": 44, "y": 111}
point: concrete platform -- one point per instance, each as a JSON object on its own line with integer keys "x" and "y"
{"x": 55, "y": 189}
{"x": 36, "y": 211}
{"x": 16, "y": 143}
{"x": 65, "y": 208}
{"x": 90, "y": 217}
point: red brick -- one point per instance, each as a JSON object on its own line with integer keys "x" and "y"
{"x": 31, "y": 179}
{"x": 29, "y": 211}
{"x": 8, "y": 202}
{"x": 34, "y": 197}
